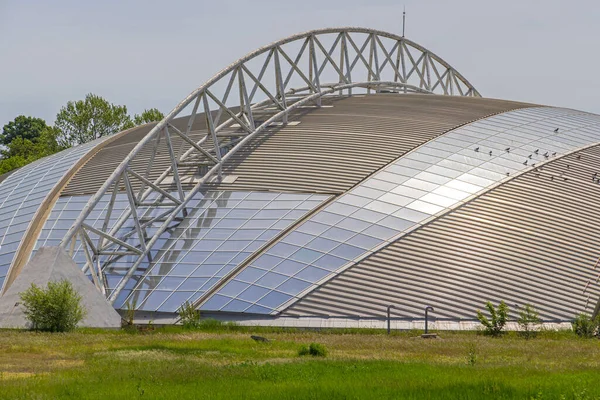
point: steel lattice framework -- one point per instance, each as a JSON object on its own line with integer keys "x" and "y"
{"x": 246, "y": 98}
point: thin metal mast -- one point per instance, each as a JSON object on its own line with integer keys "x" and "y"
{"x": 403, "y": 20}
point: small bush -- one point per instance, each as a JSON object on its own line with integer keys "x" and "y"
{"x": 190, "y": 317}
{"x": 56, "y": 308}
{"x": 529, "y": 321}
{"x": 471, "y": 354}
{"x": 315, "y": 349}
{"x": 585, "y": 326}
{"x": 495, "y": 325}
{"x": 303, "y": 351}
{"x": 129, "y": 314}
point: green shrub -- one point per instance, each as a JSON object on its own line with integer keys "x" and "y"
{"x": 303, "y": 351}
{"x": 315, "y": 349}
{"x": 495, "y": 325}
{"x": 471, "y": 354}
{"x": 190, "y": 317}
{"x": 529, "y": 321}
{"x": 585, "y": 326}
{"x": 129, "y": 314}
{"x": 56, "y": 308}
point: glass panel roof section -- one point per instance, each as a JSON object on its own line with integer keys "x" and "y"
{"x": 441, "y": 174}
{"x": 222, "y": 229}
{"x": 22, "y": 193}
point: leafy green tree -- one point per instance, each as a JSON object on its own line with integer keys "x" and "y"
{"x": 586, "y": 326}
{"x": 19, "y": 147}
{"x": 85, "y": 120}
{"x": 29, "y": 128}
{"x": 48, "y": 142}
{"x": 56, "y": 308}
{"x": 7, "y": 165}
{"x": 21, "y": 151}
{"x": 27, "y": 139}
{"x": 151, "y": 115}
{"x": 497, "y": 321}
{"x": 529, "y": 321}
{"x": 189, "y": 316}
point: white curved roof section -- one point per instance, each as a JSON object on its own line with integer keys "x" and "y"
{"x": 239, "y": 103}
{"x": 417, "y": 188}
{"x": 22, "y": 193}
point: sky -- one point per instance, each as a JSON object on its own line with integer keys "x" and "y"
{"x": 146, "y": 53}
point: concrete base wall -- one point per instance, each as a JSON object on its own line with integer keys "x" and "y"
{"x": 54, "y": 264}
{"x": 142, "y": 317}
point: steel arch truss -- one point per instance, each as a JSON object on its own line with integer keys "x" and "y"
{"x": 257, "y": 92}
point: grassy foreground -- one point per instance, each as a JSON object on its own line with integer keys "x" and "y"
{"x": 226, "y": 364}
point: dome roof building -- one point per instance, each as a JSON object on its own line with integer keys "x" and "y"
{"x": 318, "y": 180}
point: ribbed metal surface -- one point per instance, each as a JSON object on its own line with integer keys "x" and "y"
{"x": 333, "y": 149}
{"x": 534, "y": 239}
{"x": 330, "y": 150}
{"x": 6, "y": 175}
{"x": 89, "y": 179}
{"x": 93, "y": 174}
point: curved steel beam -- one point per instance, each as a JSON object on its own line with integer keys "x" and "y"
{"x": 252, "y": 100}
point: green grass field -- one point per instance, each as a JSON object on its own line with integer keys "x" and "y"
{"x": 227, "y": 363}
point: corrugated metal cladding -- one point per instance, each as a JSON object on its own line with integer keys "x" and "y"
{"x": 6, "y": 175}
{"x": 330, "y": 150}
{"x": 533, "y": 240}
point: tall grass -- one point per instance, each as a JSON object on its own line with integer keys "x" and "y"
{"x": 221, "y": 362}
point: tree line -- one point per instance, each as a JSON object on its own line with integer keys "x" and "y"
{"x": 26, "y": 139}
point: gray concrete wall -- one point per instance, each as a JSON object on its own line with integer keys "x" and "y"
{"x": 54, "y": 264}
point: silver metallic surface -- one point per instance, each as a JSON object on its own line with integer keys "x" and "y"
{"x": 533, "y": 239}
{"x": 433, "y": 179}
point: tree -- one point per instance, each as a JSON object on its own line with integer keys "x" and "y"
{"x": 21, "y": 151}
{"x": 29, "y": 128}
{"x": 11, "y": 163}
{"x": 189, "y": 316}
{"x": 529, "y": 320}
{"x": 85, "y": 120}
{"x": 56, "y": 308}
{"x": 586, "y": 326}
{"x": 151, "y": 115}
{"x": 19, "y": 147}
{"x": 48, "y": 142}
{"x": 498, "y": 316}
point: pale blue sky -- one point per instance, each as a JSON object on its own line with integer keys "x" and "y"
{"x": 153, "y": 53}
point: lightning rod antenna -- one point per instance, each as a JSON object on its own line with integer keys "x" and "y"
{"x": 403, "y": 20}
